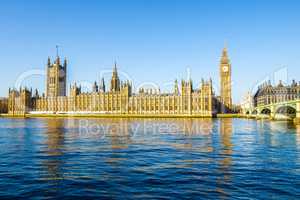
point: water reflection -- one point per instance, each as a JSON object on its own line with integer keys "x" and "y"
{"x": 226, "y": 133}
{"x": 298, "y": 135}
{"x": 54, "y": 149}
{"x": 225, "y": 130}
{"x": 196, "y": 126}
{"x": 120, "y": 134}
{"x": 112, "y": 158}
{"x": 125, "y": 131}
{"x": 185, "y": 131}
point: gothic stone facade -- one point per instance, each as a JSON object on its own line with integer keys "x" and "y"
{"x": 3, "y": 105}
{"x": 269, "y": 94}
{"x": 225, "y": 77}
{"x": 120, "y": 99}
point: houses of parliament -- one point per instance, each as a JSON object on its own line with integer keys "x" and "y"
{"x": 120, "y": 99}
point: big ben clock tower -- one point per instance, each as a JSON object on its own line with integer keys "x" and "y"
{"x": 225, "y": 76}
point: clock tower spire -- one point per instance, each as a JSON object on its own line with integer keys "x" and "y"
{"x": 225, "y": 77}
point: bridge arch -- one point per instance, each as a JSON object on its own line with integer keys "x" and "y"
{"x": 265, "y": 111}
{"x": 254, "y": 112}
{"x": 287, "y": 110}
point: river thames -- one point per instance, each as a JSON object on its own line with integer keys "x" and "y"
{"x": 149, "y": 159}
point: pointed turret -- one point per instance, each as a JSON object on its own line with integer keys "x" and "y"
{"x": 95, "y": 87}
{"x": 57, "y": 61}
{"x": 280, "y": 83}
{"x": 36, "y": 93}
{"x": 224, "y": 58}
{"x": 176, "y": 90}
{"x": 102, "y": 85}
{"x": 115, "y": 81}
{"x": 49, "y": 62}
{"x": 115, "y": 68}
{"x": 294, "y": 83}
{"x": 65, "y": 63}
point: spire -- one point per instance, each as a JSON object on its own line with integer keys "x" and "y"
{"x": 57, "y": 56}
{"x": 49, "y": 62}
{"x": 102, "y": 85}
{"x": 176, "y": 87}
{"x": 190, "y": 84}
{"x": 57, "y": 51}
{"x": 115, "y": 68}
{"x": 115, "y": 81}
{"x": 65, "y": 63}
{"x": 225, "y": 45}
{"x": 224, "y": 58}
{"x": 57, "y": 61}
{"x": 95, "y": 87}
{"x": 36, "y": 93}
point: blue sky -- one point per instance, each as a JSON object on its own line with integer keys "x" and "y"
{"x": 153, "y": 41}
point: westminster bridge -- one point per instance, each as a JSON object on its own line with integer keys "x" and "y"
{"x": 286, "y": 110}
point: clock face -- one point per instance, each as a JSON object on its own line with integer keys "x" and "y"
{"x": 225, "y": 68}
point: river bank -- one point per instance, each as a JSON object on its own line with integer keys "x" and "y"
{"x": 232, "y": 115}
